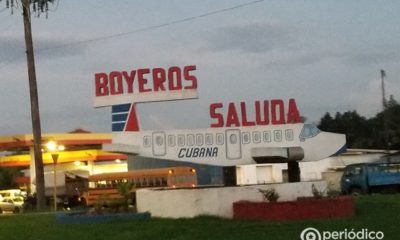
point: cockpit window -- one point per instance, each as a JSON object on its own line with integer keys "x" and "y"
{"x": 309, "y": 131}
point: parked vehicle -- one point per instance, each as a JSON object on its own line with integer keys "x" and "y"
{"x": 18, "y": 201}
{"x": 8, "y": 205}
{"x": 103, "y": 188}
{"x": 12, "y": 193}
{"x": 370, "y": 177}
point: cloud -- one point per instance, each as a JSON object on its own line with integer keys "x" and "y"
{"x": 293, "y": 59}
{"x": 367, "y": 100}
{"x": 374, "y": 56}
{"x": 250, "y": 37}
{"x": 12, "y": 46}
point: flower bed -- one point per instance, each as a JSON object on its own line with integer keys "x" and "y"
{"x": 306, "y": 208}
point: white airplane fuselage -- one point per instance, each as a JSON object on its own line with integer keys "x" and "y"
{"x": 235, "y": 146}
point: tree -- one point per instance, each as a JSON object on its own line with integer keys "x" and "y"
{"x": 392, "y": 115}
{"x": 37, "y": 6}
{"x": 349, "y": 123}
{"x": 327, "y": 123}
{"x": 366, "y": 133}
{"x": 125, "y": 190}
{"x": 392, "y": 102}
{"x": 7, "y": 177}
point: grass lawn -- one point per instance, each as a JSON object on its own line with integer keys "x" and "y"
{"x": 376, "y": 213}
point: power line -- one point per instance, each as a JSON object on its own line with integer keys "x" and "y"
{"x": 150, "y": 27}
{"x": 5, "y": 63}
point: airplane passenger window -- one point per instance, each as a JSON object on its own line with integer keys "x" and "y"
{"x": 190, "y": 139}
{"x": 246, "y": 137}
{"x": 181, "y": 140}
{"x": 256, "y": 137}
{"x": 289, "y": 134}
{"x": 209, "y": 139}
{"x": 267, "y": 136}
{"x": 199, "y": 139}
{"x": 146, "y": 141}
{"x": 220, "y": 139}
{"x": 278, "y": 135}
{"x": 233, "y": 139}
{"x": 171, "y": 140}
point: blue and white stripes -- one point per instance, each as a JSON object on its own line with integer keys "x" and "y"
{"x": 120, "y": 116}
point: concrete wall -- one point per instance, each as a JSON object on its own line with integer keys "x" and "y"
{"x": 187, "y": 203}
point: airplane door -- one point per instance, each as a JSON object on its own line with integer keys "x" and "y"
{"x": 233, "y": 144}
{"x": 159, "y": 144}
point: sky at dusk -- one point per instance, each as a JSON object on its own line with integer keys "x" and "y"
{"x": 325, "y": 54}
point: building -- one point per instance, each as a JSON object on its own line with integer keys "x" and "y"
{"x": 329, "y": 169}
{"x": 82, "y": 157}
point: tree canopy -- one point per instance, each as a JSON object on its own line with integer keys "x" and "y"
{"x": 38, "y": 6}
{"x": 367, "y": 133}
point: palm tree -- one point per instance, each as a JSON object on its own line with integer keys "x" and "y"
{"x": 125, "y": 189}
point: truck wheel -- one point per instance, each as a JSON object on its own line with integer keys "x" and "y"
{"x": 356, "y": 191}
{"x": 16, "y": 210}
{"x": 1, "y": 211}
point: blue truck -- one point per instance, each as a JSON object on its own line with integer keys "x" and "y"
{"x": 370, "y": 177}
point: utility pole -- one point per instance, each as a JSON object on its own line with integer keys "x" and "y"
{"x": 384, "y": 115}
{"x": 36, "y": 129}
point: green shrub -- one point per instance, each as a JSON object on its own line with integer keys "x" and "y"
{"x": 270, "y": 194}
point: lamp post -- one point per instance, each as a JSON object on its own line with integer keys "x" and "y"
{"x": 54, "y": 149}
{"x": 384, "y": 115}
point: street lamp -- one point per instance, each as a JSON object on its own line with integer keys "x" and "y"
{"x": 54, "y": 149}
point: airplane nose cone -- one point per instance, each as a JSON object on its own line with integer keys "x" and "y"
{"x": 343, "y": 149}
{"x": 325, "y": 145}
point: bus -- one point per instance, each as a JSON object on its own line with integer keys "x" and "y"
{"x": 103, "y": 188}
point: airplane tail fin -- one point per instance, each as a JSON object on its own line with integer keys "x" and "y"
{"x": 124, "y": 118}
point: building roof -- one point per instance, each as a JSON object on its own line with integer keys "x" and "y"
{"x": 10, "y": 143}
{"x": 80, "y": 145}
{"x": 354, "y": 151}
{"x": 63, "y": 157}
